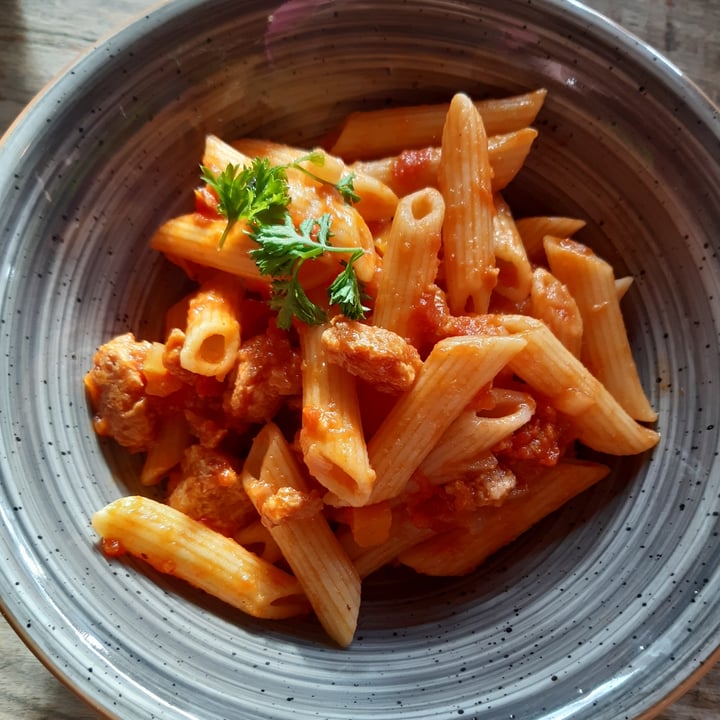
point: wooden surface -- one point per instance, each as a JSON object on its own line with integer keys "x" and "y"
{"x": 39, "y": 38}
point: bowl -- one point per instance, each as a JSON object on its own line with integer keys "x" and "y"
{"x": 603, "y": 609}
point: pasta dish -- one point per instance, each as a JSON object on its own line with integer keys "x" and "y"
{"x": 378, "y": 364}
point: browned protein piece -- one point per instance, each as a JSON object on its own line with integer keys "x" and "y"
{"x": 289, "y": 503}
{"x": 487, "y": 483}
{"x": 116, "y": 387}
{"x": 266, "y": 373}
{"x": 378, "y": 356}
{"x": 171, "y": 357}
{"x": 210, "y": 490}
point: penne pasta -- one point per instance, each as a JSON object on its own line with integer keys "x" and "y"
{"x": 514, "y": 276}
{"x": 474, "y": 433}
{"x": 534, "y": 229}
{"x": 212, "y": 329}
{"x": 605, "y": 345}
{"x": 410, "y": 261}
{"x": 459, "y": 551}
{"x": 421, "y": 416}
{"x": 167, "y": 451}
{"x": 552, "y": 302}
{"x": 195, "y": 238}
{"x": 275, "y": 485}
{"x": 331, "y": 434}
{"x": 177, "y": 545}
{"x": 376, "y": 133}
{"x": 464, "y": 179}
{"x": 550, "y": 368}
{"x": 413, "y": 170}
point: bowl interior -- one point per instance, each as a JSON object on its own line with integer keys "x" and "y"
{"x": 596, "y": 612}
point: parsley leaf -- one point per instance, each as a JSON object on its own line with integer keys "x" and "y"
{"x": 347, "y": 190}
{"x": 345, "y": 186}
{"x": 281, "y": 253}
{"x": 258, "y": 193}
{"x": 346, "y": 291}
{"x": 290, "y": 300}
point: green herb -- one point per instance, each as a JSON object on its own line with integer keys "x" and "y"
{"x": 257, "y": 193}
{"x": 347, "y": 292}
{"x": 345, "y": 186}
{"x": 282, "y": 252}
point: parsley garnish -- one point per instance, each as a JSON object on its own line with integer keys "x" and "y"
{"x": 259, "y": 194}
{"x": 282, "y": 252}
{"x": 345, "y": 186}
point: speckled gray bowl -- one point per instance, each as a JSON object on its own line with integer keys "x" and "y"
{"x": 604, "y": 609}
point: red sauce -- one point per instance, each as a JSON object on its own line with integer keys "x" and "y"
{"x": 112, "y": 547}
{"x": 541, "y": 440}
{"x": 413, "y": 170}
{"x": 206, "y": 202}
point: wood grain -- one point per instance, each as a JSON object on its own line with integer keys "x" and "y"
{"x": 38, "y": 39}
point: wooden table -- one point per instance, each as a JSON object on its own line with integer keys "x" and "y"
{"x": 39, "y": 37}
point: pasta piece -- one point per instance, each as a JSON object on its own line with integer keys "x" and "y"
{"x": 403, "y": 535}
{"x": 474, "y": 433}
{"x": 421, "y": 416}
{"x": 212, "y": 330}
{"x": 331, "y": 435}
{"x": 257, "y": 538}
{"x": 173, "y": 436}
{"x": 370, "y": 525}
{"x": 375, "y": 133}
{"x": 464, "y": 180}
{"x": 195, "y": 238}
{"x": 274, "y": 483}
{"x": 551, "y": 302}
{"x": 605, "y": 348}
{"x": 622, "y": 285}
{"x": 158, "y": 380}
{"x": 548, "y": 366}
{"x": 514, "y": 277}
{"x": 177, "y": 545}
{"x": 348, "y": 229}
{"x": 377, "y": 200}
{"x": 507, "y": 154}
{"x": 413, "y": 170}
{"x": 218, "y": 154}
{"x": 461, "y": 550}
{"x": 410, "y": 262}
{"x": 534, "y": 229}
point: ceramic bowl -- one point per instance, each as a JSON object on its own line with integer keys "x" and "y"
{"x": 601, "y": 611}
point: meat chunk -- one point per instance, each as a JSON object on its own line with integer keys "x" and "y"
{"x": 288, "y": 503}
{"x": 485, "y": 483}
{"x": 116, "y": 387}
{"x": 267, "y": 372}
{"x": 542, "y": 439}
{"x": 489, "y": 484}
{"x": 211, "y": 491}
{"x": 378, "y": 356}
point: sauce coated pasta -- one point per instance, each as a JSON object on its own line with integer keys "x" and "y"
{"x": 379, "y": 364}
